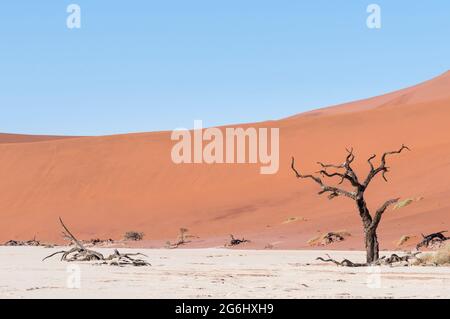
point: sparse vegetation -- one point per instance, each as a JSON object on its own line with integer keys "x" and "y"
{"x": 182, "y": 235}
{"x": 235, "y": 241}
{"x": 405, "y": 240}
{"x": 403, "y": 203}
{"x": 434, "y": 240}
{"x": 99, "y": 242}
{"x": 438, "y": 258}
{"x": 328, "y": 238}
{"x": 182, "y": 239}
{"x": 294, "y": 219}
{"x": 133, "y": 235}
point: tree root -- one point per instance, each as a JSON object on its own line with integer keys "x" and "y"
{"x": 78, "y": 254}
{"x": 383, "y": 261}
{"x": 177, "y": 244}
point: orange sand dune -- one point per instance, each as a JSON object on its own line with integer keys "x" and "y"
{"x": 21, "y": 138}
{"x": 104, "y": 186}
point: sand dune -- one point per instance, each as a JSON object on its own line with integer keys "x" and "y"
{"x": 22, "y": 138}
{"x": 104, "y": 186}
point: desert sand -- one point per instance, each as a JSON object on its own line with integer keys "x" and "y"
{"x": 216, "y": 273}
{"x": 105, "y": 186}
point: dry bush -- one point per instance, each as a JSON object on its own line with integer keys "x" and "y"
{"x": 404, "y": 203}
{"x": 438, "y": 258}
{"x": 182, "y": 239}
{"x": 328, "y": 238}
{"x": 294, "y": 219}
{"x": 406, "y": 240}
{"x": 133, "y": 235}
{"x": 407, "y": 202}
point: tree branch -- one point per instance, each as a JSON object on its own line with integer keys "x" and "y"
{"x": 379, "y": 213}
{"x": 370, "y": 161}
{"x": 334, "y": 191}
{"x": 77, "y": 242}
{"x": 382, "y": 167}
{"x": 349, "y": 174}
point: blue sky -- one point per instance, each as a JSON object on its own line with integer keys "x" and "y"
{"x": 153, "y": 65}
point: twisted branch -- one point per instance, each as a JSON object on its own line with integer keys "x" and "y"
{"x": 379, "y": 213}
{"x": 334, "y": 191}
{"x": 382, "y": 168}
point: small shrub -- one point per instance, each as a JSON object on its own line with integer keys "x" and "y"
{"x": 133, "y": 235}
{"x": 294, "y": 219}
{"x": 406, "y": 240}
{"x": 404, "y": 203}
{"x": 439, "y": 258}
{"x": 328, "y": 238}
{"x": 182, "y": 235}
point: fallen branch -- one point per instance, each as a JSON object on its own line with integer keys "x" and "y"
{"x": 81, "y": 253}
{"x": 118, "y": 259}
{"x": 432, "y": 239}
{"x": 235, "y": 241}
{"x": 344, "y": 263}
{"x": 383, "y": 261}
{"x": 181, "y": 239}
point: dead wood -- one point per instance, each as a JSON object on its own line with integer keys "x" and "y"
{"x": 98, "y": 242}
{"x": 80, "y": 253}
{"x": 235, "y": 241}
{"x": 344, "y": 263}
{"x": 118, "y": 259}
{"x": 433, "y": 240}
{"x": 182, "y": 239}
{"x": 32, "y": 242}
{"x": 328, "y": 238}
{"x": 383, "y": 261}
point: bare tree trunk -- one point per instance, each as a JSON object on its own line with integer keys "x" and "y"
{"x": 372, "y": 248}
{"x": 371, "y": 240}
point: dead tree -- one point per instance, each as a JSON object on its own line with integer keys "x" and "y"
{"x": 182, "y": 239}
{"x": 435, "y": 237}
{"x": 235, "y": 241}
{"x": 346, "y": 173}
{"x": 393, "y": 259}
{"x": 81, "y": 253}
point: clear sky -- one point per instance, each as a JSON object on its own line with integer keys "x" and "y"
{"x": 152, "y": 65}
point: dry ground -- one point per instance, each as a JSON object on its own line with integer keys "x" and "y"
{"x": 216, "y": 273}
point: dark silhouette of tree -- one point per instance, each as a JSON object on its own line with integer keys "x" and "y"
{"x": 345, "y": 172}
